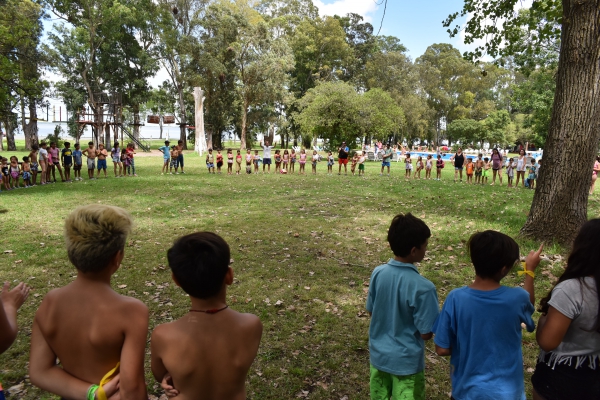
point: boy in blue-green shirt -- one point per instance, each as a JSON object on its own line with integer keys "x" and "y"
{"x": 166, "y": 156}
{"x": 403, "y": 306}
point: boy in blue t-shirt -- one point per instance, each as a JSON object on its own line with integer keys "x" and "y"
{"x": 77, "y": 162}
{"x": 480, "y": 325}
{"x": 166, "y": 150}
{"x": 403, "y": 306}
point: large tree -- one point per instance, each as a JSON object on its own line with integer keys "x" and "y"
{"x": 559, "y": 206}
{"x": 21, "y": 66}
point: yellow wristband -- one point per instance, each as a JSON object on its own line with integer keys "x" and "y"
{"x": 525, "y": 271}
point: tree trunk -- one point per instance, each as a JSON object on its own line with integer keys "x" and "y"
{"x": 560, "y": 202}
{"x": 136, "y": 123}
{"x": 244, "y": 121}
{"x": 160, "y": 125}
{"x": 182, "y": 122}
{"x": 30, "y": 129}
{"x": 107, "y": 140}
{"x": 10, "y": 124}
{"x": 1, "y": 138}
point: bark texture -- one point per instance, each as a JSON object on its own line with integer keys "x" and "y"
{"x": 559, "y": 205}
{"x": 30, "y": 129}
{"x": 10, "y": 124}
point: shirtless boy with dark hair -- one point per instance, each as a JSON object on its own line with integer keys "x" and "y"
{"x": 96, "y": 333}
{"x": 207, "y": 353}
{"x": 90, "y": 153}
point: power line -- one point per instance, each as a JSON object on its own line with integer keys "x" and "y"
{"x": 383, "y": 16}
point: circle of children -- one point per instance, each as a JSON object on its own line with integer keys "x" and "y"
{"x": 285, "y": 161}
{"x": 47, "y": 160}
{"x": 99, "y": 336}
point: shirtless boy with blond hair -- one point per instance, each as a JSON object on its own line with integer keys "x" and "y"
{"x": 86, "y": 325}
{"x": 206, "y": 354}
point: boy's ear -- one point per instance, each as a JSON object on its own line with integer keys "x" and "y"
{"x": 229, "y": 276}
{"x": 175, "y": 279}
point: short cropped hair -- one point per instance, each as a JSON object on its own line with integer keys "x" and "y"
{"x": 406, "y": 232}
{"x": 94, "y": 234}
{"x": 199, "y": 262}
{"x": 491, "y": 251}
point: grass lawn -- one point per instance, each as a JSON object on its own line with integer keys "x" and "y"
{"x": 303, "y": 249}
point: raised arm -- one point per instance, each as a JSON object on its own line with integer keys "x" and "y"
{"x": 10, "y": 302}
{"x": 531, "y": 263}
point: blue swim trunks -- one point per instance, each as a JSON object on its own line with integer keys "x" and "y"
{"x": 210, "y": 165}
{"x": 385, "y": 163}
{"x": 101, "y": 164}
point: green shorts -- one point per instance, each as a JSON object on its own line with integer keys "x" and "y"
{"x": 361, "y": 167}
{"x": 384, "y": 385}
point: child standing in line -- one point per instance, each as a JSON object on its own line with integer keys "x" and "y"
{"x": 55, "y": 152}
{"x": 90, "y": 153}
{"x": 315, "y": 160}
{"x": 479, "y": 326}
{"x": 420, "y": 167}
{"x": 256, "y": 160}
{"x": 115, "y": 155}
{"x": 77, "y": 162}
{"x": 302, "y": 161}
{"x": 102, "y": 154}
{"x": 15, "y": 172}
{"x": 43, "y": 163}
{"x": 124, "y": 160}
{"x": 479, "y": 169}
{"x": 330, "y": 162}
{"x": 207, "y": 353}
{"x": 6, "y": 173}
{"x": 470, "y": 170}
{"x": 33, "y": 158}
{"x": 408, "y": 166}
{"x": 486, "y": 168}
{"x": 238, "y": 162}
{"x": 277, "y": 161}
{"x": 439, "y": 166}
{"x": 229, "y": 162}
{"x": 219, "y": 162}
{"x": 286, "y": 160}
{"x": 510, "y": 172}
{"x": 403, "y": 306}
{"x": 174, "y": 157}
{"x": 361, "y": 163}
{"x": 210, "y": 162}
{"x": 248, "y": 161}
{"x": 568, "y": 331}
{"x": 353, "y": 162}
{"x": 292, "y": 161}
{"x": 67, "y": 160}
{"x": 428, "y": 166}
{"x": 166, "y": 151}
{"x": 97, "y": 334}
{"x": 531, "y": 177}
{"x": 130, "y": 154}
{"x": 26, "y": 168}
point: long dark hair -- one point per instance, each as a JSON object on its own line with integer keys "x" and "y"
{"x": 583, "y": 261}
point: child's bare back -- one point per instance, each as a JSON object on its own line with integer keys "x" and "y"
{"x": 86, "y": 325}
{"x": 208, "y": 355}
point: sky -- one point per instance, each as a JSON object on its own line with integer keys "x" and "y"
{"x": 417, "y": 24}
